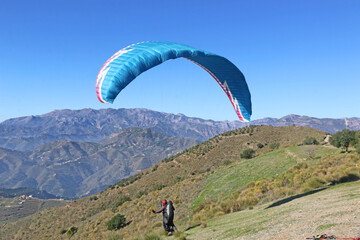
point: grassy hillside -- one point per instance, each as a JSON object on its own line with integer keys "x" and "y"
{"x": 208, "y": 178}
{"x": 333, "y": 211}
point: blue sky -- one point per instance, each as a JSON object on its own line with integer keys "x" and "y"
{"x": 299, "y": 57}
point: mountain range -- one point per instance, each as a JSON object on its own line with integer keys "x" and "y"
{"x": 73, "y": 153}
{"x": 75, "y": 169}
{"x": 89, "y": 125}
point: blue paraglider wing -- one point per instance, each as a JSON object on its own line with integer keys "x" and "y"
{"x": 128, "y": 63}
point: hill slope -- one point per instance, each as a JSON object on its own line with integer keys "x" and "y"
{"x": 334, "y": 211}
{"x": 183, "y": 179}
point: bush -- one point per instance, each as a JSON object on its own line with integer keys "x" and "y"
{"x": 158, "y": 186}
{"x": 127, "y": 181}
{"x": 140, "y": 193}
{"x": 94, "y": 198}
{"x": 310, "y": 141}
{"x": 122, "y": 199}
{"x": 179, "y": 179}
{"x": 273, "y": 146}
{"x": 62, "y": 231}
{"x": 259, "y": 145}
{"x": 343, "y": 139}
{"x": 226, "y": 162}
{"x": 117, "y": 222}
{"x": 71, "y": 231}
{"x": 314, "y": 183}
{"x": 247, "y": 153}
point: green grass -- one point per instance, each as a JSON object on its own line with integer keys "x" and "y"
{"x": 296, "y": 219}
{"x": 325, "y": 226}
{"x": 319, "y": 151}
{"x": 229, "y": 179}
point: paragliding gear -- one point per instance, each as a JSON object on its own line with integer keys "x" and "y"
{"x": 128, "y": 63}
{"x": 324, "y": 236}
{"x": 164, "y": 202}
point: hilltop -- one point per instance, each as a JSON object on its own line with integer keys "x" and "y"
{"x": 202, "y": 182}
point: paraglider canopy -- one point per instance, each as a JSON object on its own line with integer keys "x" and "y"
{"x": 128, "y": 63}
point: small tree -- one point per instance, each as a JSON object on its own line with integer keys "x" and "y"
{"x": 117, "y": 222}
{"x": 343, "y": 139}
{"x": 310, "y": 141}
{"x": 247, "y": 153}
{"x": 71, "y": 231}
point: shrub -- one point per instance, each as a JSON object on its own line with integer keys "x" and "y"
{"x": 117, "y": 222}
{"x": 140, "y": 193}
{"x": 259, "y": 145}
{"x": 179, "y": 179}
{"x": 314, "y": 183}
{"x": 94, "y": 198}
{"x": 122, "y": 199}
{"x": 127, "y": 181}
{"x": 226, "y": 162}
{"x": 62, "y": 231}
{"x": 343, "y": 139}
{"x": 158, "y": 186}
{"x": 71, "y": 231}
{"x": 169, "y": 159}
{"x": 310, "y": 141}
{"x": 273, "y": 146}
{"x": 247, "y": 153}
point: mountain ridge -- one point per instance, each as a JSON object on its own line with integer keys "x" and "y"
{"x": 26, "y": 133}
{"x": 90, "y": 125}
{"x": 75, "y": 169}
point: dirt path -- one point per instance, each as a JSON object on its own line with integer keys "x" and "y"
{"x": 327, "y": 138}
